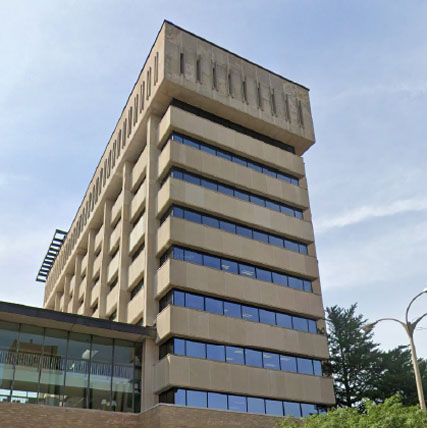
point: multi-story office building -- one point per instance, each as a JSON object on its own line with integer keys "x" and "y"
{"x": 197, "y": 222}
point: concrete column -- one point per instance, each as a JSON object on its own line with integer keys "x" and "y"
{"x": 150, "y": 356}
{"x": 105, "y": 259}
{"x": 67, "y": 280}
{"x": 77, "y": 281}
{"x": 89, "y": 271}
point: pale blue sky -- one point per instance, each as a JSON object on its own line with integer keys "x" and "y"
{"x": 67, "y": 68}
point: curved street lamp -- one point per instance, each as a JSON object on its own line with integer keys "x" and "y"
{"x": 409, "y": 328}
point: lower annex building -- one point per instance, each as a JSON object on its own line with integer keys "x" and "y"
{"x": 188, "y": 279}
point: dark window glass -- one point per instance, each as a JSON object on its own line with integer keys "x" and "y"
{"x": 303, "y": 250}
{"x": 284, "y": 320}
{"x": 215, "y": 352}
{"x": 192, "y": 216}
{"x": 239, "y": 160}
{"x": 178, "y": 212}
{"x": 241, "y": 195}
{"x": 178, "y": 138}
{"x": 292, "y": 409}
{"x": 300, "y": 323}
{"x": 209, "y": 184}
{"x": 256, "y": 405}
{"x": 180, "y": 397}
{"x": 190, "y": 178}
{"x": 317, "y": 365}
{"x": 298, "y": 214}
{"x": 274, "y": 240}
{"x": 232, "y": 310}
{"x": 197, "y": 399}
{"x": 237, "y": 403}
{"x": 223, "y": 155}
{"x": 244, "y": 231}
{"x": 272, "y": 205}
{"x": 207, "y": 149}
{"x": 193, "y": 257}
{"x": 178, "y": 253}
{"x": 195, "y": 349}
{"x": 271, "y": 361}
{"x": 288, "y": 364}
{"x": 283, "y": 177}
{"x": 211, "y": 261}
{"x": 177, "y": 174}
{"x": 249, "y": 313}
{"x": 305, "y": 366}
{"x": 217, "y": 401}
{"x": 234, "y": 355}
{"x": 295, "y": 283}
{"x": 226, "y": 190}
{"x": 290, "y": 245}
{"x": 307, "y": 286}
{"x": 253, "y": 358}
{"x": 79, "y": 346}
{"x": 267, "y": 317}
{"x": 229, "y": 266}
{"x": 286, "y": 210}
{"x": 102, "y": 349}
{"x": 214, "y": 306}
{"x": 260, "y": 236}
{"x": 210, "y": 221}
{"x": 179, "y": 346}
{"x": 178, "y": 298}
{"x": 280, "y": 279}
{"x": 308, "y": 409}
{"x": 246, "y": 270}
{"x": 254, "y": 166}
{"x": 269, "y": 172}
{"x": 274, "y": 407}
{"x": 312, "y": 327}
{"x": 256, "y": 200}
{"x": 8, "y": 335}
{"x": 191, "y": 143}
{"x": 263, "y": 275}
{"x": 227, "y": 226}
{"x": 194, "y": 301}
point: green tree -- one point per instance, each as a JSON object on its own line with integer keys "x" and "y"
{"x": 355, "y": 358}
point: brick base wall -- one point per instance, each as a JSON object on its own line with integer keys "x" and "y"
{"x": 14, "y": 415}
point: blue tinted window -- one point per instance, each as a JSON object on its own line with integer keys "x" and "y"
{"x": 244, "y": 231}
{"x": 191, "y": 143}
{"x": 227, "y": 190}
{"x": 274, "y": 240}
{"x": 280, "y": 279}
{"x": 212, "y": 261}
{"x": 234, "y": 355}
{"x": 223, "y": 154}
{"x": 232, "y": 310}
{"x": 217, "y": 401}
{"x": 308, "y": 409}
{"x": 290, "y": 245}
{"x": 239, "y": 160}
{"x": 192, "y": 216}
{"x": 195, "y": 349}
{"x": 305, "y": 366}
{"x": 274, "y": 407}
{"x": 178, "y": 212}
{"x": 249, "y": 313}
{"x": 180, "y": 397}
{"x": 227, "y": 226}
{"x": 207, "y": 149}
{"x": 257, "y": 200}
{"x": 317, "y": 365}
{"x": 260, "y": 236}
{"x": 295, "y": 283}
{"x": 193, "y": 257}
{"x": 288, "y": 364}
{"x": 307, "y": 286}
{"x": 292, "y": 409}
{"x": 246, "y": 270}
{"x": 214, "y": 305}
{"x": 256, "y": 405}
{"x": 215, "y": 352}
{"x": 178, "y": 253}
{"x": 179, "y": 347}
{"x": 197, "y": 399}
{"x": 300, "y": 323}
{"x": 272, "y": 205}
{"x": 179, "y": 298}
{"x": 190, "y": 178}
{"x": 263, "y": 275}
{"x": 237, "y": 403}
{"x": 229, "y": 266}
{"x": 194, "y": 301}
{"x": 176, "y": 137}
{"x": 286, "y": 210}
{"x": 209, "y": 184}
{"x": 254, "y": 166}
{"x": 253, "y": 358}
{"x": 241, "y": 195}
{"x": 312, "y": 327}
{"x": 283, "y": 177}
{"x": 177, "y": 174}
{"x": 269, "y": 172}
{"x": 303, "y": 249}
{"x": 271, "y": 361}
{"x": 267, "y": 317}
{"x": 298, "y": 214}
{"x": 210, "y": 221}
{"x": 283, "y": 320}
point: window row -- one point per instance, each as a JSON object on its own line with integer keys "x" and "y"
{"x": 237, "y": 310}
{"x": 240, "y": 355}
{"x": 230, "y": 266}
{"x": 232, "y": 227}
{"x": 188, "y": 141}
{"x": 239, "y": 403}
{"x": 234, "y": 192}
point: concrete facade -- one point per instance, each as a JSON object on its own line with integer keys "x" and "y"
{"x": 110, "y": 265}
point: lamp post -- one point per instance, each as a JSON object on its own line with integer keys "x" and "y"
{"x": 410, "y": 329}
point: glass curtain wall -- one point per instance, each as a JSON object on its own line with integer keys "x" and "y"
{"x": 61, "y": 368}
